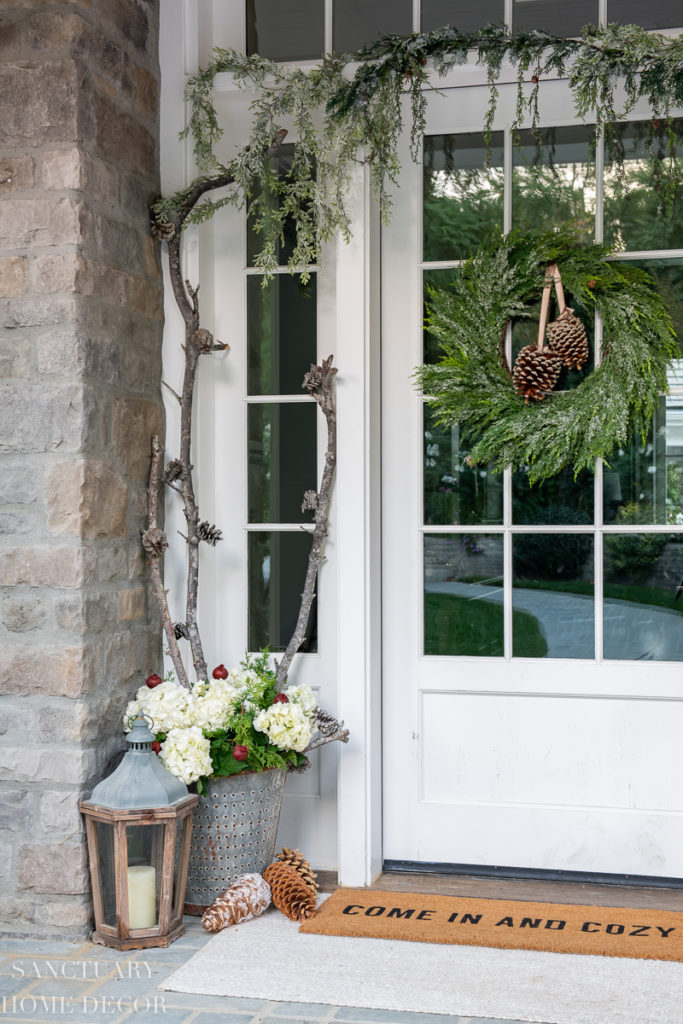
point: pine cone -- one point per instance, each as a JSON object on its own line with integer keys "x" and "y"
{"x": 301, "y": 865}
{"x": 310, "y": 502}
{"x": 202, "y": 340}
{"x": 290, "y": 894}
{"x": 164, "y": 230}
{"x": 326, "y": 723}
{"x": 567, "y": 337}
{"x": 181, "y": 631}
{"x": 248, "y": 897}
{"x": 155, "y": 542}
{"x": 210, "y": 533}
{"x": 174, "y": 471}
{"x": 535, "y": 372}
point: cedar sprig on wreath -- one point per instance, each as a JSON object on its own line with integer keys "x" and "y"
{"x": 472, "y": 384}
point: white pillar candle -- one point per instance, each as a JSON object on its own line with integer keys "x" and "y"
{"x": 142, "y": 880}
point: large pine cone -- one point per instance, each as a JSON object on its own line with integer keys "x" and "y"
{"x": 535, "y": 372}
{"x": 248, "y": 897}
{"x": 291, "y": 895}
{"x": 301, "y": 865}
{"x": 567, "y": 337}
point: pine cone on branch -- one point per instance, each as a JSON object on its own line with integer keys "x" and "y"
{"x": 248, "y": 897}
{"x": 290, "y": 894}
{"x": 567, "y": 338}
{"x": 181, "y": 631}
{"x": 535, "y": 372}
{"x": 326, "y": 723}
{"x": 301, "y": 865}
{"x": 174, "y": 471}
{"x": 208, "y": 532}
{"x": 154, "y": 541}
{"x": 164, "y": 230}
{"x": 310, "y": 501}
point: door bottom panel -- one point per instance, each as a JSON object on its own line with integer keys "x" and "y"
{"x": 531, "y": 874}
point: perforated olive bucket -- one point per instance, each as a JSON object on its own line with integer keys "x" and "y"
{"x": 234, "y": 830}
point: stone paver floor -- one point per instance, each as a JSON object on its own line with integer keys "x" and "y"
{"x": 88, "y": 984}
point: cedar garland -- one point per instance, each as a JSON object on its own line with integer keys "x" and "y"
{"x": 359, "y": 97}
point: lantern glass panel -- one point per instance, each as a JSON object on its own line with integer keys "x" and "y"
{"x": 179, "y": 892}
{"x": 145, "y": 861}
{"x": 105, "y": 863}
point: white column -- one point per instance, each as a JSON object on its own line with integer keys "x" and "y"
{"x": 358, "y": 543}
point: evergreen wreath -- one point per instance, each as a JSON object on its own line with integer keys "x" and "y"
{"x": 472, "y": 384}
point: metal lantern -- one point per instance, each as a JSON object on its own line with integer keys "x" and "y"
{"x": 139, "y": 824}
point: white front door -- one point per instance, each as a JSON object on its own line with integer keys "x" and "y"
{"x": 533, "y": 694}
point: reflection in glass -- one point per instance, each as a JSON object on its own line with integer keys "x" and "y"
{"x": 281, "y": 333}
{"x": 559, "y": 501}
{"x": 105, "y": 866}
{"x": 461, "y": 14}
{"x": 653, "y": 15}
{"x": 642, "y": 484}
{"x": 281, "y": 164}
{"x": 455, "y": 493}
{"x": 554, "y": 16}
{"x": 277, "y": 570}
{"x": 463, "y": 198}
{"x": 357, "y": 22}
{"x": 282, "y": 460}
{"x": 439, "y": 280}
{"x": 668, "y": 278}
{"x": 555, "y": 185}
{"x": 643, "y": 573}
{"x": 286, "y": 29}
{"x": 463, "y": 594}
{"x": 634, "y": 217}
{"x": 553, "y": 583}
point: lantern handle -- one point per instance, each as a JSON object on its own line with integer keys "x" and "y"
{"x": 148, "y": 718}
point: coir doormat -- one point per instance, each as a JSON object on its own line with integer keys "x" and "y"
{"x": 506, "y": 924}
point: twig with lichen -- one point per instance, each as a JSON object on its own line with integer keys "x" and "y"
{"x": 318, "y": 382}
{"x": 155, "y": 542}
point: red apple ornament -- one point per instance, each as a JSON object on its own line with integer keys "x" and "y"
{"x": 153, "y": 680}
{"x": 220, "y": 672}
{"x": 156, "y": 747}
{"x": 280, "y": 698}
{"x": 240, "y": 753}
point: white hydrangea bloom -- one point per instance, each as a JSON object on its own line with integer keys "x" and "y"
{"x": 304, "y": 696}
{"x": 213, "y": 704}
{"x": 186, "y": 753}
{"x": 241, "y": 679}
{"x": 285, "y": 725}
{"x": 166, "y": 704}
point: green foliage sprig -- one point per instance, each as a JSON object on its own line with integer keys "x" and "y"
{"x": 472, "y": 385}
{"x": 350, "y": 108}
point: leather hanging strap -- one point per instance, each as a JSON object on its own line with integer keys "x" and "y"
{"x": 552, "y": 276}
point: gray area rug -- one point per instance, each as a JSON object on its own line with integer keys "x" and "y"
{"x": 268, "y": 958}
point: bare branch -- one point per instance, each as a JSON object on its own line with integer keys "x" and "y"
{"x": 318, "y": 382}
{"x": 154, "y": 548}
{"x": 173, "y": 391}
{"x": 196, "y": 342}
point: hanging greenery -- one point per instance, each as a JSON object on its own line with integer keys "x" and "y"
{"x": 472, "y": 384}
{"x": 350, "y": 108}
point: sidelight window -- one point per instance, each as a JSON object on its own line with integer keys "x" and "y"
{"x": 282, "y": 441}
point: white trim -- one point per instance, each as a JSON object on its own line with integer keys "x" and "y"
{"x": 358, "y": 621}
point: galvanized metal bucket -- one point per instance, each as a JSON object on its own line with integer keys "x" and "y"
{"x": 234, "y": 830}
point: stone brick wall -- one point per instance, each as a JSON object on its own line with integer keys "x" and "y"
{"x": 80, "y": 364}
